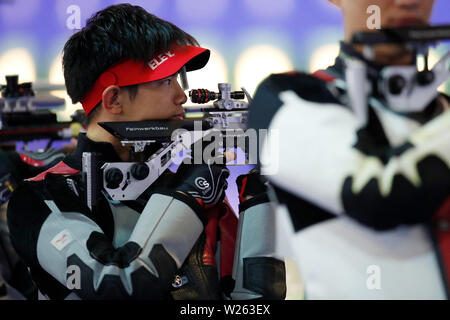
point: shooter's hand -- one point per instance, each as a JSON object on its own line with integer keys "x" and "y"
{"x": 205, "y": 182}
{"x": 250, "y": 185}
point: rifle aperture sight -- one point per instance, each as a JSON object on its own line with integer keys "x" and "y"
{"x": 225, "y": 99}
{"x": 204, "y": 96}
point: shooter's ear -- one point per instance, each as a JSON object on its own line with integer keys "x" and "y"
{"x": 111, "y": 101}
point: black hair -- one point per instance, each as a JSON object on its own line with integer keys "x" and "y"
{"x": 110, "y": 35}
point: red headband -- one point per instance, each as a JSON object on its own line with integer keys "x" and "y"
{"x": 129, "y": 72}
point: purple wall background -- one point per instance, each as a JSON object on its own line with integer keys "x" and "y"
{"x": 229, "y": 25}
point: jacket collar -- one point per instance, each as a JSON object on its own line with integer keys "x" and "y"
{"x": 105, "y": 149}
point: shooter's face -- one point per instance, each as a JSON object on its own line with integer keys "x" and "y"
{"x": 393, "y": 13}
{"x": 157, "y": 100}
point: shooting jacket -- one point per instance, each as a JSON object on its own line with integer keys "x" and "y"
{"x": 161, "y": 246}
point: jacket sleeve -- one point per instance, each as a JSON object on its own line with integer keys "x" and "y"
{"x": 257, "y": 272}
{"x": 313, "y": 156}
{"x": 74, "y": 250}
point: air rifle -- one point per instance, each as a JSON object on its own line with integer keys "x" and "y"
{"x": 224, "y": 121}
{"x": 402, "y": 89}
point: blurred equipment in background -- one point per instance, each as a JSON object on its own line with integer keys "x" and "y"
{"x": 26, "y": 116}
